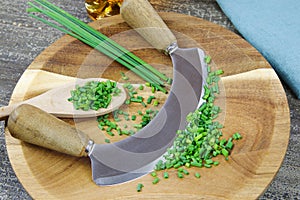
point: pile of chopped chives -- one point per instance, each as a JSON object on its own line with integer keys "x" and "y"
{"x": 200, "y": 142}
{"x": 93, "y": 95}
{"x": 83, "y": 32}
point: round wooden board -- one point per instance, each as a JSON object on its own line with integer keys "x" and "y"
{"x": 252, "y": 99}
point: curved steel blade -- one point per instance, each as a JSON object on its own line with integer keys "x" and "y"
{"x": 136, "y": 155}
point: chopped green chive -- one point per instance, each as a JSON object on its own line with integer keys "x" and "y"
{"x": 110, "y": 133}
{"x": 153, "y": 89}
{"x": 124, "y": 77}
{"x": 156, "y": 180}
{"x": 149, "y": 100}
{"x": 141, "y": 87}
{"x": 138, "y": 126}
{"x": 207, "y": 59}
{"x": 155, "y": 103}
{"x": 93, "y": 95}
{"x": 209, "y": 161}
{"x": 179, "y": 174}
{"x": 216, "y": 163}
{"x": 166, "y": 175}
{"x": 185, "y": 172}
{"x": 197, "y": 175}
{"x": 136, "y": 100}
{"x": 225, "y": 152}
{"x": 154, "y": 174}
{"x": 236, "y": 136}
{"x": 139, "y": 187}
{"x": 143, "y": 104}
{"x": 207, "y": 165}
{"x": 133, "y": 117}
{"x": 127, "y": 102}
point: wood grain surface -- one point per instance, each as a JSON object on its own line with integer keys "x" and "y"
{"x": 252, "y": 99}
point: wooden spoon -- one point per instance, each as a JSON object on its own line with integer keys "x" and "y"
{"x": 55, "y": 101}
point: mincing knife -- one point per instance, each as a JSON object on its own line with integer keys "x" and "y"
{"x": 136, "y": 155}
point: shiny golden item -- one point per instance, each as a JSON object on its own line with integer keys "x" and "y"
{"x": 98, "y": 9}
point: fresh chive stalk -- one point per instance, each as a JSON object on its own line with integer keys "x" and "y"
{"x": 83, "y": 32}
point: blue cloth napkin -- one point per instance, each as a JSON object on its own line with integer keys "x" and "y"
{"x": 273, "y": 28}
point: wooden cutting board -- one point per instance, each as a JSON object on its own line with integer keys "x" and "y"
{"x": 252, "y": 99}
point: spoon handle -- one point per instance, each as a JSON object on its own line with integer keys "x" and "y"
{"x": 33, "y": 125}
{"x": 5, "y": 111}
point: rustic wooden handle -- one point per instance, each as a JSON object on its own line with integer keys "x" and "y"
{"x": 32, "y": 125}
{"x": 5, "y": 111}
{"x": 140, "y": 14}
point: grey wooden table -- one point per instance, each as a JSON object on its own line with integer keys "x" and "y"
{"x": 22, "y": 39}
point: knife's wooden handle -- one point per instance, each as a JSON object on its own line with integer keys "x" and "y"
{"x": 32, "y": 125}
{"x": 140, "y": 14}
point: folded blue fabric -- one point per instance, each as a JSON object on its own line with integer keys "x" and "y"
{"x": 273, "y": 28}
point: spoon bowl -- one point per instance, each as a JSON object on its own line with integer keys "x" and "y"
{"x": 55, "y": 101}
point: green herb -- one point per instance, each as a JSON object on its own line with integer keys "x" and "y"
{"x": 185, "y": 172}
{"x": 127, "y": 102}
{"x": 216, "y": 163}
{"x": 225, "y": 152}
{"x": 149, "y": 111}
{"x": 110, "y": 133}
{"x": 155, "y": 103}
{"x": 133, "y": 117}
{"x": 207, "y": 165}
{"x": 124, "y": 77}
{"x": 156, "y": 180}
{"x": 126, "y": 118}
{"x": 105, "y": 124}
{"x": 169, "y": 81}
{"x": 93, "y": 95}
{"x": 197, "y": 175}
{"x": 141, "y": 87}
{"x": 138, "y": 126}
{"x": 180, "y": 175}
{"x": 166, "y": 175}
{"x": 149, "y": 100}
{"x": 154, "y": 174}
{"x": 207, "y": 59}
{"x": 237, "y": 136}
{"x": 136, "y": 100}
{"x": 139, "y": 187}
{"x": 153, "y": 89}
{"x": 143, "y": 104}
{"x": 139, "y": 112}
{"x": 200, "y": 141}
{"x": 83, "y": 32}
